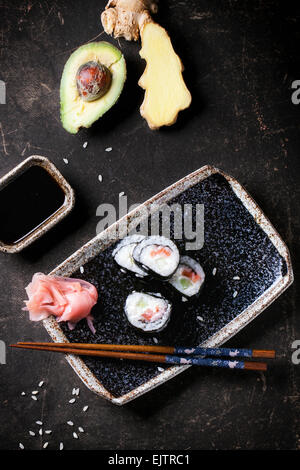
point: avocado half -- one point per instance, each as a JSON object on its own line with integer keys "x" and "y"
{"x": 75, "y": 112}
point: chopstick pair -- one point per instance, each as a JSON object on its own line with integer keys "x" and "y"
{"x": 173, "y": 355}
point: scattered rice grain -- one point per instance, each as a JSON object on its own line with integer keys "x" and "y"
{"x": 236, "y": 278}
{"x": 45, "y": 445}
{"x": 23, "y": 394}
{"x": 155, "y": 340}
{"x": 35, "y": 392}
{"x": 66, "y": 161}
{"x": 61, "y": 446}
{"x": 48, "y": 431}
{"x": 85, "y": 408}
{"x": 160, "y": 369}
{"x": 40, "y": 423}
{"x": 31, "y": 433}
{"x": 81, "y": 269}
{"x": 41, "y": 432}
{"x": 72, "y": 400}
{"x": 70, "y": 423}
{"x": 34, "y": 397}
{"x": 75, "y": 435}
{"x": 85, "y": 144}
{"x": 41, "y": 383}
{"x": 21, "y": 446}
{"x": 214, "y": 271}
{"x": 200, "y": 318}
{"x": 108, "y": 149}
{"x": 235, "y": 294}
{"x": 100, "y": 178}
{"x": 80, "y": 429}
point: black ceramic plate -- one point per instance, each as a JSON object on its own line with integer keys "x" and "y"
{"x": 246, "y": 265}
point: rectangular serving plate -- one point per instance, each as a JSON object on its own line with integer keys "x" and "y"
{"x": 105, "y": 239}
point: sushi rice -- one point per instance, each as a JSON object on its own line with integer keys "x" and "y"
{"x": 188, "y": 278}
{"x": 147, "y": 311}
{"x": 157, "y": 255}
{"x": 122, "y": 254}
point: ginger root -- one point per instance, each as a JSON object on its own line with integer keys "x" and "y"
{"x": 125, "y": 18}
{"x": 165, "y": 91}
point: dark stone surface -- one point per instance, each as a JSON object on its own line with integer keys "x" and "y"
{"x": 240, "y": 58}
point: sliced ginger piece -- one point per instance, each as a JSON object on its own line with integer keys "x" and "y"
{"x": 165, "y": 91}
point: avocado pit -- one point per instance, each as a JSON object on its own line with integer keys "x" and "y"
{"x": 93, "y": 80}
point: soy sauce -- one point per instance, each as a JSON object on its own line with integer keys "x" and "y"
{"x": 26, "y": 202}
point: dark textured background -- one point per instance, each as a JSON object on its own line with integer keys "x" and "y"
{"x": 240, "y": 58}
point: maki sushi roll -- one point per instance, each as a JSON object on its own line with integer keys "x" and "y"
{"x": 188, "y": 278}
{"x": 122, "y": 254}
{"x": 157, "y": 255}
{"x": 147, "y": 312}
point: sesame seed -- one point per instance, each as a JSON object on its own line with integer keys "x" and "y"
{"x": 66, "y": 161}
{"x": 108, "y": 149}
{"x": 100, "y": 178}
{"x": 34, "y": 397}
{"x": 21, "y": 446}
{"x": 235, "y": 294}
{"x": 72, "y": 400}
{"x": 214, "y": 271}
{"x": 70, "y": 423}
{"x": 45, "y": 445}
{"x": 81, "y": 269}
{"x": 31, "y": 433}
{"x": 61, "y": 446}
{"x": 41, "y": 383}
{"x": 85, "y": 145}
{"x": 85, "y": 408}
{"x": 155, "y": 340}
{"x": 48, "y": 431}
{"x": 35, "y": 392}
{"x": 39, "y": 423}
{"x": 75, "y": 435}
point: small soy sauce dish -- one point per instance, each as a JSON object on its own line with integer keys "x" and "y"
{"x": 34, "y": 196}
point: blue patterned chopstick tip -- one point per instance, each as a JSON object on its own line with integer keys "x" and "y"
{"x": 228, "y": 352}
{"x": 208, "y": 362}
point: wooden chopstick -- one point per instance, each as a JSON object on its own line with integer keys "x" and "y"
{"x": 177, "y": 350}
{"x": 165, "y": 358}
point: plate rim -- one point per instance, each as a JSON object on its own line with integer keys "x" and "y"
{"x": 81, "y": 256}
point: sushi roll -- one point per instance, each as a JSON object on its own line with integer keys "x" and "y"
{"x": 188, "y": 278}
{"x": 122, "y": 254}
{"x": 158, "y": 256}
{"x": 147, "y": 312}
